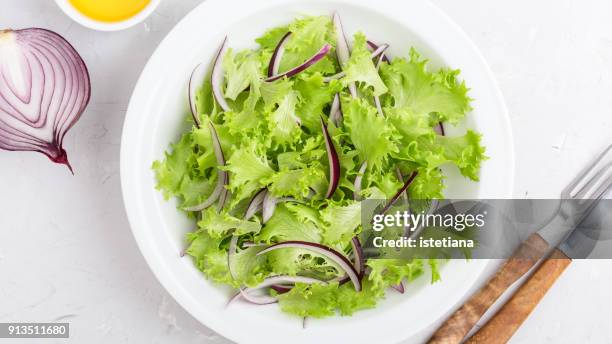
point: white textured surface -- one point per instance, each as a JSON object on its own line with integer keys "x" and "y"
{"x": 66, "y": 251}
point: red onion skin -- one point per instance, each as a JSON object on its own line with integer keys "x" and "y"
{"x": 54, "y": 52}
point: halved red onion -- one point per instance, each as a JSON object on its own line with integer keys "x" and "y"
{"x": 335, "y": 112}
{"x": 400, "y": 287}
{"x": 399, "y": 192}
{"x": 342, "y": 49}
{"x": 277, "y": 56}
{"x": 233, "y": 245}
{"x": 328, "y": 252}
{"x": 296, "y": 70}
{"x": 269, "y": 206}
{"x": 222, "y": 177}
{"x": 334, "y": 161}
{"x": 195, "y": 81}
{"x": 217, "y": 77}
{"x": 358, "y": 181}
{"x": 358, "y": 257}
{"x": 374, "y": 47}
{"x": 44, "y": 90}
{"x": 255, "y": 205}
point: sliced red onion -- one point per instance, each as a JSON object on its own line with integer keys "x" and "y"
{"x": 358, "y": 258}
{"x": 439, "y": 129}
{"x": 233, "y": 298}
{"x": 195, "y": 80}
{"x": 296, "y": 70}
{"x": 335, "y": 113}
{"x": 400, "y": 287}
{"x": 374, "y": 47}
{"x": 400, "y": 177}
{"x": 257, "y": 299}
{"x": 277, "y": 56}
{"x": 233, "y": 245}
{"x": 400, "y": 192}
{"x": 328, "y": 252}
{"x": 217, "y": 77}
{"x": 334, "y": 161}
{"x": 256, "y": 204}
{"x": 358, "y": 181}
{"x": 380, "y": 51}
{"x": 274, "y": 282}
{"x": 222, "y": 178}
{"x": 377, "y": 98}
{"x": 44, "y": 90}
{"x": 248, "y": 244}
{"x": 269, "y": 206}
{"x": 281, "y": 289}
{"x": 342, "y": 49}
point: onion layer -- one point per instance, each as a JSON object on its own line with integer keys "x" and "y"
{"x": 44, "y": 89}
{"x": 278, "y": 55}
{"x": 217, "y": 76}
{"x": 334, "y": 161}
{"x": 296, "y": 70}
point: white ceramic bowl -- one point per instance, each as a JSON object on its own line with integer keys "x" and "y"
{"x": 156, "y": 117}
{"x": 82, "y": 19}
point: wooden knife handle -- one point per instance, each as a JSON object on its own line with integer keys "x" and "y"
{"x": 503, "y": 325}
{"x": 461, "y": 322}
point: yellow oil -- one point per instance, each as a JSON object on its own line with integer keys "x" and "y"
{"x": 109, "y": 10}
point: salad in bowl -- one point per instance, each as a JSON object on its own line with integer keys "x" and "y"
{"x": 286, "y": 141}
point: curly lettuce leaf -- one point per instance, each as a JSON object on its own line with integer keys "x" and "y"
{"x": 360, "y": 67}
{"x": 372, "y": 135}
{"x": 248, "y": 168}
{"x": 412, "y": 86}
{"x": 286, "y": 225}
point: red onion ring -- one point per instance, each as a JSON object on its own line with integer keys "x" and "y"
{"x": 44, "y": 90}
{"x": 374, "y": 47}
{"x": 400, "y": 287}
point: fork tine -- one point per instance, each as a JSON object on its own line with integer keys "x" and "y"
{"x": 588, "y": 176}
{"x": 598, "y": 184}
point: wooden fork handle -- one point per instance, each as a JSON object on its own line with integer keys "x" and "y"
{"x": 461, "y": 322}
{"x": 504, "y": 324}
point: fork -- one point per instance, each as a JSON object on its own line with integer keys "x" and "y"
{"x": 587, "y": 187}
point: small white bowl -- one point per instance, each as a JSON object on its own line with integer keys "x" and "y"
{"x": 98, "y": 25}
